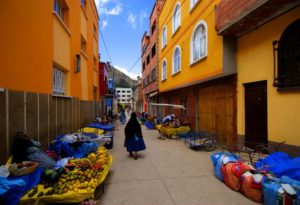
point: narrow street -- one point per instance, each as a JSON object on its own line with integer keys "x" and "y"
{"x": 167, "y": 172}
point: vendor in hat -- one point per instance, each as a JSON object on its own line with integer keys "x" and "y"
{"x": 168, "y": 118}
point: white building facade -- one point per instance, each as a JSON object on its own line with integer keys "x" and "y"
{"x": 124, "y": 96}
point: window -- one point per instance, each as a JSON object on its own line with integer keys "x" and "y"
{"x": 83, "y": 2}
{"x": 128, "y": 96}
{"x": 95, "y": 29}
{"x": 144, "y": 82}
{"x": 118, "y": 91}
{"x": 83, "y": 44}
{"x": 199, "y": 42}
{"x": 58, "y": 82}
{"x": 153, "y": 74}
{"x": 153, "y": 27}
{"x": 123, "y": 96}
{"x": 193, "y": 3}
{"x": 153, "y": 50}
{"x": 176, "y": 18}
{"x": 176, "y": 60}
{"x": 148, "y": 59}
{"x": 148, "y": 79}
{"x": 164, "y": 37}
{"x": 128, "y": 91}
{"x": 60, "y": 7}
{"x": 164, "y": 70}
{"x": 288, "y": 57}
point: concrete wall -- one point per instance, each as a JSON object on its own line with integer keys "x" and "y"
{"x": 42, "y": 116}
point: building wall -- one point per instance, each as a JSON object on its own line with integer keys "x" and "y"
{"x": 127, "y": 92}
{"x": 255, "y": 63}
{"x": 37, "y": 37}
{"x": 206, "y": 68}
{"x": 26, "y": 45}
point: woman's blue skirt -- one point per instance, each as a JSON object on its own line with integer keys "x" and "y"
{"x": 135, "y": 144}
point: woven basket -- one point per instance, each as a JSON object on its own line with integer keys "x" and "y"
{"x": 16, "y": 171}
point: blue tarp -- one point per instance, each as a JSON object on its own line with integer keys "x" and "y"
{"x": 280, "y": 164}
{"x": 150, "y": 125}
{"x": 14, "y": 194}
{"x": 77, "y": 150}
{"x": 105, "y": 127}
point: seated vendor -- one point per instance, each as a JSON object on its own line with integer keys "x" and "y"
{"x": 169, "y": 118}
{"x": 27, "y": 149}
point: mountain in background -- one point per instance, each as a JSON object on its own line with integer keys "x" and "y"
{"x": 122, "y": 80}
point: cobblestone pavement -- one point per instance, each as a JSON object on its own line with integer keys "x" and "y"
{"x": 167, "y": 172}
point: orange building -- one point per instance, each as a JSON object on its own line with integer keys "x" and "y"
{"x": 149, "y": 61}
{"x": 50, "y": 47}
{"x": 49, "y": 81}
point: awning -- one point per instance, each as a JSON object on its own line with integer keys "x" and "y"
{"x": 153, "y": 94}
{"x": 169, "y": 105}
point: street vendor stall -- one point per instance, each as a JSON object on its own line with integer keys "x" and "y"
{"x": 170, "y": 131}
{"x": 78, "y": 183}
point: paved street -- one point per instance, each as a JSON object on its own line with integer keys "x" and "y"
{"x": 166, "y": 173}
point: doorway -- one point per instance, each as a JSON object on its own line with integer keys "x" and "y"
{"x": 256, "y": 120}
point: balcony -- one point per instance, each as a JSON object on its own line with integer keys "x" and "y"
{"x": 237, "y": 17}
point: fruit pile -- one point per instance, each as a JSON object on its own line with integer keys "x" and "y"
{"x": 84, "y": 175}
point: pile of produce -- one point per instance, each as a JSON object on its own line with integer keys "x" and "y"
{"x": 78, "y": 174}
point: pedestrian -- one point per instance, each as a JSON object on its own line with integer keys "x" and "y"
{"x": 127, "y": 113}
{"x": 134, "y": 141}
{"x": 169, "y": 118}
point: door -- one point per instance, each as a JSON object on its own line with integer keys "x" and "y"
{"x": 217, "y": 112}
{"x": 256, "y": 130}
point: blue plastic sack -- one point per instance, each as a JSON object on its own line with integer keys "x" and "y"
{"x": 217, "y": 161}
{"x": 295, "y": 184}
{"x": 149, "y": 125}
{"x": 280, "y": 164}
{"x": 270, "y": 190}
{"x": 85, "y": 149}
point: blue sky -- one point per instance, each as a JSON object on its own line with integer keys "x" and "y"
{"x": 123, "y": 23}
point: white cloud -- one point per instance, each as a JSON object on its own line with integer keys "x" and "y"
{"x": 125, "y": 71}
{"x": 104, "y": 24}
{"x": 109, "y": 7}
{"x": 143, "y": 16}
{"x": 132, "y": 20}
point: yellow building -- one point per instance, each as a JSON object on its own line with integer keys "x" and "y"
{"x": 197, "y": 67}
{"x": 267, "y": 56}
{"x": 50, "y": 47}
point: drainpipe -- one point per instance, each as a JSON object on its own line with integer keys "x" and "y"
{"x": 196, "y": 98}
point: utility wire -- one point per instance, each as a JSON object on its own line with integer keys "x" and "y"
{"x": 135, "y": 63}
{"x": 105, "y": 46}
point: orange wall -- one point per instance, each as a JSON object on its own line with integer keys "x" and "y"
{"x": 26, "y": 45}
{"x": 27, "y": 52}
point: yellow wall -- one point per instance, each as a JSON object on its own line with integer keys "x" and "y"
{"x": 208, "y": 67}
{"x": 35, "y": 39}
{"x": 26, "y": 45}
{"x": 255, "y": 63}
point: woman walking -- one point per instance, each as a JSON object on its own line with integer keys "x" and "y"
{"x": 134, "y": 141}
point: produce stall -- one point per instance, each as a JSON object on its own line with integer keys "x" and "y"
{"x": 170, "y": 131}
{"x": 77, "y": 183}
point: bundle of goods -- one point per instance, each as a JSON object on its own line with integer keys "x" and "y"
{"x": 238, "y": 175}
{"x": 74, "y": 145}
{"x": 150, "y": 125}
{"x": 75, "y": 182}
